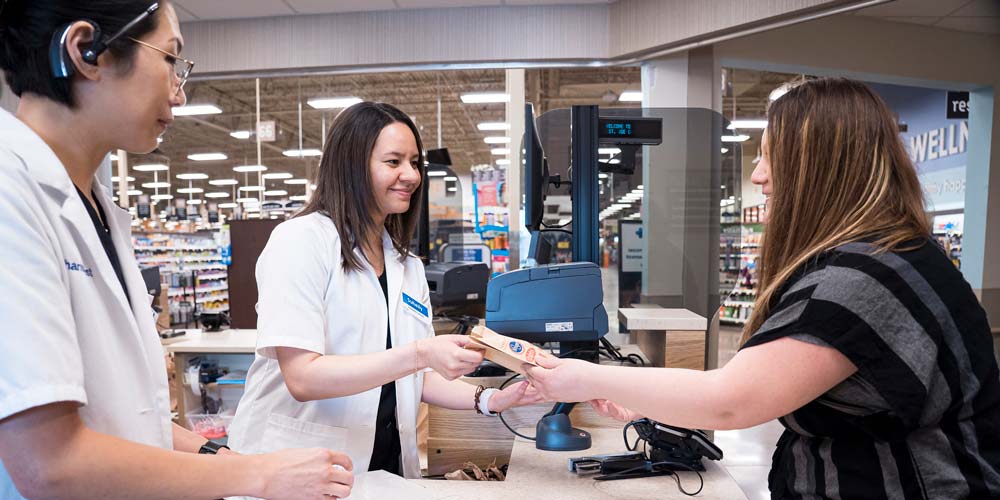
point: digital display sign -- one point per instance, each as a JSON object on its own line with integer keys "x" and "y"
{"x": 638, "y": 130}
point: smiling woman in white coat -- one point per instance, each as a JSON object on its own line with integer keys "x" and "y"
{"x": 84, "y": 405}
{"x": 345, "y": 347}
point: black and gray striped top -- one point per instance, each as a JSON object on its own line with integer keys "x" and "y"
{"x": 921, "y": 417}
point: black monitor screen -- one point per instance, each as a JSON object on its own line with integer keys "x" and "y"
{"x": 540, "y": 248}
{"x": 536, "y": 172}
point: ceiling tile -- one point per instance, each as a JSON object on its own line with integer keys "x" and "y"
{"x": 235, "y": 9}
{"x": 339, "y": 6}
{"x": 434, "y": 4}
{"x": 979, "y": 8}
{"x": 554, "y": 2}
{"x": 973, "y": 24}
{"x": 911, "y": 8}
{"x": 926, "y": 21}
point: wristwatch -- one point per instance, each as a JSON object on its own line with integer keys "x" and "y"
{"x": 211, "y": 448}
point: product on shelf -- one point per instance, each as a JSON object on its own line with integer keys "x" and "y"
{"x": 193, "y": 275}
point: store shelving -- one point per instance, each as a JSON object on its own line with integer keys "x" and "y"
{"x": 739, "y": 255}
{"x": 193, "y": 274}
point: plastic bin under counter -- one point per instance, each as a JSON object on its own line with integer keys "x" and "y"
{"x": 538, "y": 474}
{"x": 198, "y": 343}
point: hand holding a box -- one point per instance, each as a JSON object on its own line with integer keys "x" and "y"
{"x": 519, "y": 394}
{"x": 447, "y": 355}
{"x": 566, "y": 380}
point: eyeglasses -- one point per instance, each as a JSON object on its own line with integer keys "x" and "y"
{"x": 182, "y": 67}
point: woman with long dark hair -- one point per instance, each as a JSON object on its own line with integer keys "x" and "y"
{"x": 865, "y": 341}
{"x": 84, "y": 405}
{"x": 345, "y": 348}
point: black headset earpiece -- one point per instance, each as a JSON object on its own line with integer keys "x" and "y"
{"x": 59, "y": 60}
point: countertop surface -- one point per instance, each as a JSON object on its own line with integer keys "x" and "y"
{"x": 655, "y": 318}
{"x": 544, "y": 475}
{"x": 224, "y": 342}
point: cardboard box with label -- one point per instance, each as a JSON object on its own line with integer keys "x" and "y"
{"x": 505, "y": 351}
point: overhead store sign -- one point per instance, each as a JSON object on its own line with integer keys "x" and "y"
{"x": 266, "y": 131}
{"x": 958, "y": 106}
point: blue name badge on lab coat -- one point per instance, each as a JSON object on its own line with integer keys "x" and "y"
{"x": 415, "y": 305}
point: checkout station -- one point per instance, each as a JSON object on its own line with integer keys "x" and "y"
{"x": 573, "y": 452}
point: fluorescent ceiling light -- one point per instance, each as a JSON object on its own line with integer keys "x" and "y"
{"x": 302, "y": 153}
{"x": 217, "y": 194}
{"x": 503, "y": 161}
{"x": 228, "y": 205}
{"x": 297, "y": 182}
{"x": 192, "y": 177}
{"x": 602, "y": 175}
{"x": 452, "y": 189}
{"x": 190, "y": 190}
{"x": 276, "y": 192}
{"x": 250, "y": 168}
{"x": 486, "y": 126}
{"x": 451, "y": 178}
{"x": 135, "y": 192}
{"x": 630, "y": 96}
{"x": 725, "y": 150}
{"x": 194, "y": 202}
{"x": 432, "y": 173}
{"x": 161, "y": 197}
{"x": 197, "y": 109}
{"x": 223, "y": 182}
{"x": 608, "y": 151}
{"x": 129, "y": 178}
{"x": 248, "y": 200}
{"x": 159, "y": 140}
{"x": 753, "y": 124}
{"x": 151, "y": 167}
{"x": 614, "y": 161}
{"x": 496, "y": 140}
{"x": 333, "y": 102}
{"x": 241, "y": 134}
{"x": 639, "y": 187}
{"x": 299, "y": 197}
{"x": 485, "y": 97}
{"x": 155, "y": 185}
{"x": 114, "y": 157}
{"x": 207, "y": 157}
{"x": 251, "y": 189}
{"x": 276, "y": 175}
{"x": 735, "y": 138}
{"x": 500, "y": 151}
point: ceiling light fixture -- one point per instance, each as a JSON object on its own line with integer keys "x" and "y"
{"x": 151, "y": 167}
{"x": 217, "y": 194}
{"x": 276, "y": 192}
{"x": 228, "y": 205}
{"x": 333, "y": 102}
{"x": 751, "y": 124}
{"x": 735, "y": 138}
{"x": 434, "y": 173}
{"x": 156, "y": 185}
{"x": 190, "y": 190}
{"x": 488, "y": 126}
{"x": 192, "y": 177}
{"x": 277, "y": 175}
{"x": 251, "y": 189}
{"x": 630, "y": 96}
{"x": 500, "y": 151}
{"x": 485, "y": 97}
{"x": 196, "y": 109}
{"x": 241, "y": 134}
{"x": 297, "y": 182}
{"x": 207, "y": 157}
{"x": 248, "y": 168}
{"x": 302, "y": 153}
{"x": 299, "y": 197}
{"x": 496, "y": 140}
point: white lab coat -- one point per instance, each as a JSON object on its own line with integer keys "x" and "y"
{"x": 68, "y": 331}
{"x": 308, "y": 301}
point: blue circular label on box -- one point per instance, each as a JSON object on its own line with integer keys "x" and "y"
{"x": 516, "y": 347}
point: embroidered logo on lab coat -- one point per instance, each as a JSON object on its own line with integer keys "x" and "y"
{"x": 80, "y": 268}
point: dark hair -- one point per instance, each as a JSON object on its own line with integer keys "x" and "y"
{"x": 344, "y": 190}
{"x": 27, "y": 26}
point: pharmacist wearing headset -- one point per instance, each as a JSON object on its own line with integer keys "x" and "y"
{"x": 84, "y": 406}
{"x": 344, "y": 320}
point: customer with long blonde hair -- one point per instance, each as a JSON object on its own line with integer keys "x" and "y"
{"x": 865, "y": 340}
